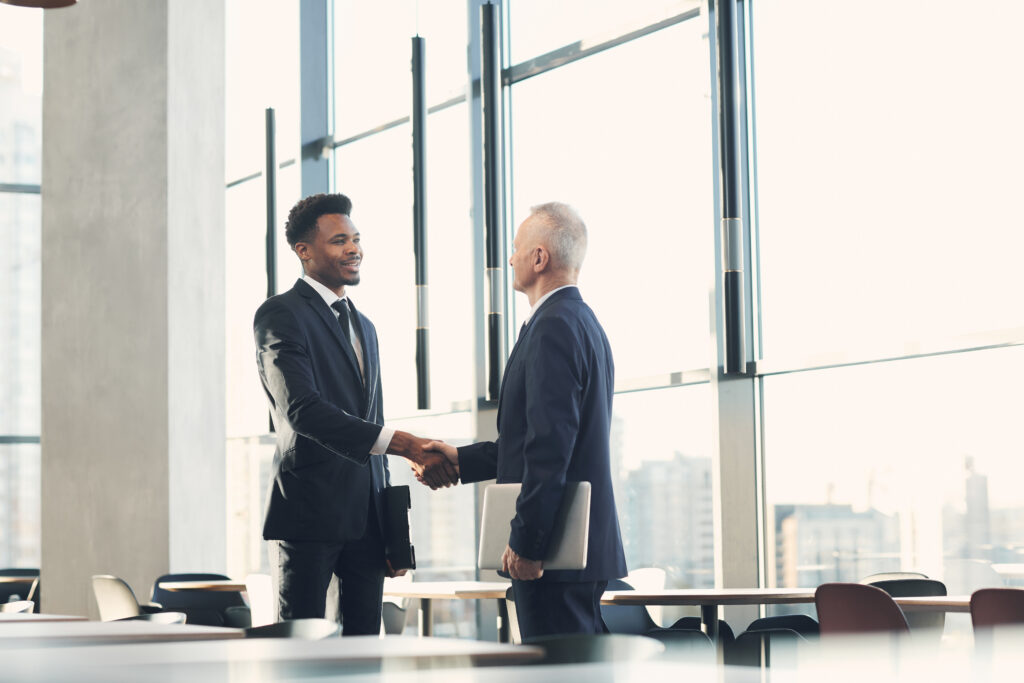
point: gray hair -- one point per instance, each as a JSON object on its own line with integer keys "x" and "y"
{"x": 565, "y": 234}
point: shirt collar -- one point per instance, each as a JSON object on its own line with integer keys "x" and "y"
{"x": 325, "y": 293}
{"x": 540, "y": 301}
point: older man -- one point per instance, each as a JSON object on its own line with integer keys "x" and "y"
{"x": 554, "y": 418}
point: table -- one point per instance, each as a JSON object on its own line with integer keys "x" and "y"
{"x": 427, "y": 591}
{"x": 31, "y": 617}
{"x": 77, "y": 632}
{"x": 18, "y": 579}
{"x": 262, "y": 659}
{"x": 222, "y": 585}
{"x": 935, "y": 603}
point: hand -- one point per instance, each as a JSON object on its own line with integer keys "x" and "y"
{"x": 519, "y": 567}
{"x": 449, "y": 452}
{"x": 391, "y": 572}
{"x": 431, "y": 467}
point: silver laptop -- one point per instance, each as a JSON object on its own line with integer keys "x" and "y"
{"x": 568, "y": 547}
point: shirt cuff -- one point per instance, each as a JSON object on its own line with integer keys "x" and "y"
{"x": 380, "y": 446}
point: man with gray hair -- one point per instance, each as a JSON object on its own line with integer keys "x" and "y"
{"x": 554, "y": 423}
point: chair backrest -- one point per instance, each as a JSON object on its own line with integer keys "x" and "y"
{"x": 602, "y": 647}
{"x": 916, "y": 587}
{"x": 649, "y": 579}
{"x": 891, "y": 576}
{"x": 17, "y": 591}
{"x": 17, "y": 606}
{"x": 725, "y": 632}
{"x": 34, "y": 595}
{"x": 802, "y": 624}
{"x": 114, "y": 597}
{"x": 757, "y": 648}
{"x": 626, "y": 619}
{"x": 202, "y": 607}
{"x": 857, "y": 608}
{"x": 514, "y": 635}
{"x": 992, "y": 607}
{"x": 393, "y": 619}
{"x": 159, "y": 617}
{"x": 304, "y": 629}
{"x": 262, "y": 602}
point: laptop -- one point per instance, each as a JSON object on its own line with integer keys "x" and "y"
{"x": 568, "y": 547}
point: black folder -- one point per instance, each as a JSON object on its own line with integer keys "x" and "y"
{"x": 397, "y": 542}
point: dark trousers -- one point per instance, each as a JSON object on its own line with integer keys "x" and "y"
{"x": 547, "y": 608}
{"x": 302, "y": 572}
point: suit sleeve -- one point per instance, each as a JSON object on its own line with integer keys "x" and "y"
{"x": 478, "y": 462}
{"x": 287, "y": 375}
{"x": 554, "y": 390}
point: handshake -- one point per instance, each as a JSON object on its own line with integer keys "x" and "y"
{"x": 435, "y": 463}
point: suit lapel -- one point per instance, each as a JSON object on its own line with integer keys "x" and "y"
{"x": 331, "y": 321}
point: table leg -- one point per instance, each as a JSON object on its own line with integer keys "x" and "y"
{"x": 709, "y": 617}
{"x": 426, "y": 625}
{"x": 503, "y": 625}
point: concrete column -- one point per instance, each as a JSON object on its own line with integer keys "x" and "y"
{"x": 133, "y": 464}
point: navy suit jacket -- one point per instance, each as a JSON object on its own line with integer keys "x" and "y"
{"x": 326, "y": 420}
{"x": 554, "y": 423}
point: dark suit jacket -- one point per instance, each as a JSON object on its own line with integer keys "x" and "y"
{"x": 326, "y": 421}
{"x": 554, "y": 422}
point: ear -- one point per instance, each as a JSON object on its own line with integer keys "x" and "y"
{"x": 541, "y": 259}
{"x": 302, "y": 251}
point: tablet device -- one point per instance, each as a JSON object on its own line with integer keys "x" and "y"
{"x": 568, "y": 547}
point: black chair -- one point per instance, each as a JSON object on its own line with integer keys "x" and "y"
{"x": 932, "y": 622}
{"x": 17, "y": 591}
{"x": 725, "y": 632}
{"x": 202, "y": 607}
{"x": 845, "y": 608}
{"x": 303, "y": 629}
{"x": 803, "y": 624}
{"x": 393, "y": 617}
{"x": 626, "y": 619}
{"x": 158, "y": 617}
{"x": 603, "y": 647}
{"x": 756, "y": 648}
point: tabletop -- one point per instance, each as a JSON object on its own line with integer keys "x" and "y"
{"x": 260, "y": 659}
{"x": 454, "y": 590}
{"x": 222, "y": 585}
{"x": 29, "y": 633}
{"x": 710, "y": 596}
{"x": 30, "y": 617}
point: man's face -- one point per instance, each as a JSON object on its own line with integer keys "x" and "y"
{"x": 522, "y": 258}
{"x": 332, "y": 254}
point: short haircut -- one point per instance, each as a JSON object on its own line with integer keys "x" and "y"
{"x": 565, "y": 234}
{"x": 304, "y": 215}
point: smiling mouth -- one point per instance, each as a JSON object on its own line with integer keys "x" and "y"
{"x": 351, "y": 264}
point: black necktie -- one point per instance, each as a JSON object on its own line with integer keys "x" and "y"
{"x": 341, "y": 306}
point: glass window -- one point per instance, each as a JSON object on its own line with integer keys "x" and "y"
{"x": 539, "y": 26}
{"x": 375, "y": 173}
{"x": 910, "y": 465}
{"x": 886, "y": 151}
{"x": 629, "y": 146}
{"x": 21, "y": 88}
{"x": 662, "y": 480}
{"x": 373, "y": 52}
{"x": 19, "y": 505}
{"x": 262, "y": 71}
{"x": 20, "y": 276}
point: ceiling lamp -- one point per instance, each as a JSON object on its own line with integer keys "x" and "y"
{"x": 44, "y": 4}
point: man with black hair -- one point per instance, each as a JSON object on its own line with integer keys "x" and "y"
{"x": 318, "y": 360}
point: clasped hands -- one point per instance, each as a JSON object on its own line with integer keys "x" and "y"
{"x": 435, "y": 463}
